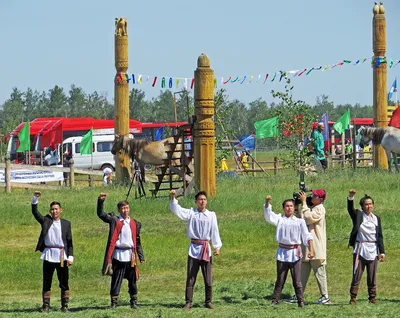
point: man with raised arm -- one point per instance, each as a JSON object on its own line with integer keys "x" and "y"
{"x": 367, "y": 240}
{"x": 290, "y": 233}
{"x": 55, "y": 243}
{"x": 202, "y": 227}
{"x": 316, "y": 222}
{"x": 123, "y": 244}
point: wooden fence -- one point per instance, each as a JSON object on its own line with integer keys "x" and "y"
{"x": 70, "y": 171}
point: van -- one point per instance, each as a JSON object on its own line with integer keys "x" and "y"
{"x": 102, "y": 156}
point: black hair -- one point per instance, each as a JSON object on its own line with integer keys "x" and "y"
{"x": 55, "y": 203}
{"x": 122, "y": 203}
{"x": 200, "y": 193}
{"x": 287, "y": 200}
{"x": 365, "y": 197}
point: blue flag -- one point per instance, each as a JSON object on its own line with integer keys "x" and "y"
{"x": 160, "y": 133}
{"x": 247, "y": 141}
{"x": 393, "y": 89}
{"x": 324, "y": 120}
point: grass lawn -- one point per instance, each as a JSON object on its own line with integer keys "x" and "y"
{"x": 244, "y": 273}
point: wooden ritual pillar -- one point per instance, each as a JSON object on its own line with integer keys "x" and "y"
{"x": 379, "y": 66}
{"x": 204, "y": 129}
{"x": 121, "y": 96}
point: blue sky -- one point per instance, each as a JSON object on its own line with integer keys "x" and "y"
{"x": 46, "y": 43}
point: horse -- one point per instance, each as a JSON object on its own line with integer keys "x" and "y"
{"x": 388, "y": 137}
{"x": 145, "y": 151}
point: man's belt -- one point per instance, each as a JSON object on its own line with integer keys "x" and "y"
{"x": 289, "y": 247}
{"x": 296, "y": 247}
{"x": 123, "y": 248}
{"x": 205, "y": 250}
{"x": 61, "y": 253}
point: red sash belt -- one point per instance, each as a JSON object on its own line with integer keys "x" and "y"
{"x": 205, "y": 249}
{"x": 61, "y": 253}
{"x": 292, "y": 247}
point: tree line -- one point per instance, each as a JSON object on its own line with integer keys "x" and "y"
{"x": 238, "y": 117}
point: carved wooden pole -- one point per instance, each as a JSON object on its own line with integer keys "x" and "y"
{"x": 121, "y": 96}
{"x": 379, "y": 78}
{"x": 204, "y": 130}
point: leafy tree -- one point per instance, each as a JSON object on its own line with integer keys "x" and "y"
{"x": 295, "y": 119}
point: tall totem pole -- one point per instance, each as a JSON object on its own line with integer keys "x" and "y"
{"x": 121, "y": 96}
{"x": 204, "y": 129}
{"x": 379, "y": 66}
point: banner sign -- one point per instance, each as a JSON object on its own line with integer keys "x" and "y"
{"x": 31, "y": 176}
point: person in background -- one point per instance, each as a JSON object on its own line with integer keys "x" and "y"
{"x": 319, "y": 144}
{"x": 223, "y": 164}
{"x": 107, "y": 176}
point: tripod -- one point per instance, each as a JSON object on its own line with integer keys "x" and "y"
{"x": 139, "y": 188}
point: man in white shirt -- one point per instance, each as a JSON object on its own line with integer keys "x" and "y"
{"x": 367, "y": 240}
{"x": 316, "y": 223}
{"x": 202, "y": 227}
{"x": 123, "y": 244}
{"x": 290, "y": 233}
{"x": 55, "y": 243}
{"x": 107, "y": 176}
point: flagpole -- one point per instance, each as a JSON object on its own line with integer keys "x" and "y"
{"x": 397, "y": 103}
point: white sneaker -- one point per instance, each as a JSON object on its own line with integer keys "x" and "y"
{"x": 324, "y": 300}
{"x": 292, "y": 300}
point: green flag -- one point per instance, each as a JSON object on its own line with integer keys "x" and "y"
{"x": 343, "y": 122}
{"x": 267, "y": 128}
{"x": 24, "y": 137}
{"x": 86, "y": 147}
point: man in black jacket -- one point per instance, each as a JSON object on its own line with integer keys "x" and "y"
{"x": 55, "y": 243}
{"x": 123, "y": 244}
{"x": 367, "y": 240}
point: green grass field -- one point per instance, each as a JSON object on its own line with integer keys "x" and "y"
{"x": 244, "y": 273}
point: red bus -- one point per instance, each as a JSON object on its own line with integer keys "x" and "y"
{"x": 47, "y": 132}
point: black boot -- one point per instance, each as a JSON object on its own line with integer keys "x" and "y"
{"x": 133, "y": 302}
{"x": 46, "y": 301}
{"x": 114, "y": 302}
{"x": 64, "y": 300}
{"x": 188, "y": 298}
{"x": 208, "y": 303}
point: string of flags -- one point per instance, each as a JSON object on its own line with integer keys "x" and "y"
{"x": 188, "y": 82}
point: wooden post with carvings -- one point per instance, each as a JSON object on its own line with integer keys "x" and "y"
{"x": 379, "y": 66}
{"x": 204, "y": 129}
{"x": 121, "y": 96}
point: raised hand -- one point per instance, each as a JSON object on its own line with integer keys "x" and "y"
{"x": 102, "y": 196}
{"x": 352, "y": 192}
{"x": 172, "y": 194}
{"x": 267, "y": 199}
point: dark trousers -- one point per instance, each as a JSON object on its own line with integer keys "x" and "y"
{"x": 282, "y": 269}
{"x": 123, "y": 270}
{"x": 62, "y": 274}
{"x": 193, "y": 266}
{"x": 371, "y": 276}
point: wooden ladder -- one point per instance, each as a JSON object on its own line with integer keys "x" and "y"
{"x": 177, "y": 177}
